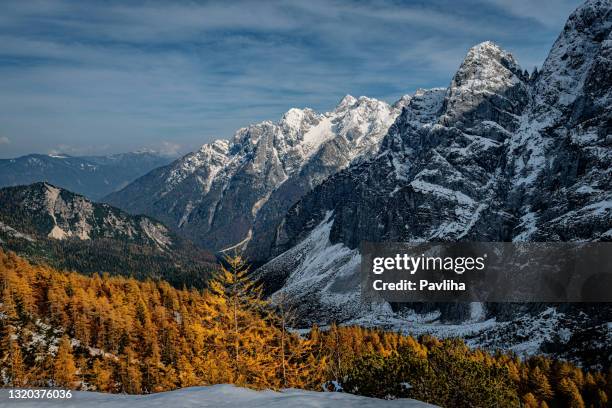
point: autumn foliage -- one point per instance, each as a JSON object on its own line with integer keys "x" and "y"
{"x": 116, "y": 334}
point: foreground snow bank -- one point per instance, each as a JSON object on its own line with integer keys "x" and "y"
{"x": 216, "y": 396}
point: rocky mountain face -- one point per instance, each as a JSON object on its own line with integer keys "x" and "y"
{"x": 49, "y": 224}
{"x": 499, "y": 156}
{"x": 233, "y": 193}
{"x": 92, "y": 176}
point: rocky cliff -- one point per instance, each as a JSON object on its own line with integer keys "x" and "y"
{"x": 501, "y": 156}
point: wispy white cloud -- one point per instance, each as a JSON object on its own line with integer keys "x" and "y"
{"x": 124, "y": 74}
{"x": 4, "y": 140}
{"x": 80, "y": 150}
{"x": 550, "y": 13}
{"x": 168, "y": 148}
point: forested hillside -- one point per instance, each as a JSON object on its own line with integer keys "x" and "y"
{"x": 47, "y": 224}
{"x": 117, "y": 334}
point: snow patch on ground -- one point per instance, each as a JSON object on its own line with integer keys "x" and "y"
{"x": 326, "y": 273}
{"x": 524, "y": 335}
{"x": 218, "y": 396}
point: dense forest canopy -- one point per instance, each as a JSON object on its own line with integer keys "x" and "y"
{"x": 117, "y": 334}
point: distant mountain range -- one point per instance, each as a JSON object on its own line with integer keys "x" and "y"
{"x": 48, "y": 224}
{"x": 92, "y": 176}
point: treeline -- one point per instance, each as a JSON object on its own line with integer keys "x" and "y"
{"x": 117, "y": 334}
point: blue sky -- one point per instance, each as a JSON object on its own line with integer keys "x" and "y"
{"x": 85, "y": 77}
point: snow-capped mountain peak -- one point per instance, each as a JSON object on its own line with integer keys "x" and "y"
{"x": 499, "y": 156}
{"x": 488, "y": 80}
{"x": 487, "y": 54}
{"x": 296, "y": 122}
{"x": 213, "y": 156}
{"x": 214, "y": 194}
{"x": 581, "y": 45}
{"x": 346, "y": 102}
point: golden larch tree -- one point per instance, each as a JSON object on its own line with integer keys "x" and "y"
{"x": 64, "y": 367}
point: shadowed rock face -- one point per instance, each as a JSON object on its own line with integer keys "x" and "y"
{"x": 501, "y": 157}
{"x": 435, "y": 174}
{"x": 230, "y": 193}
